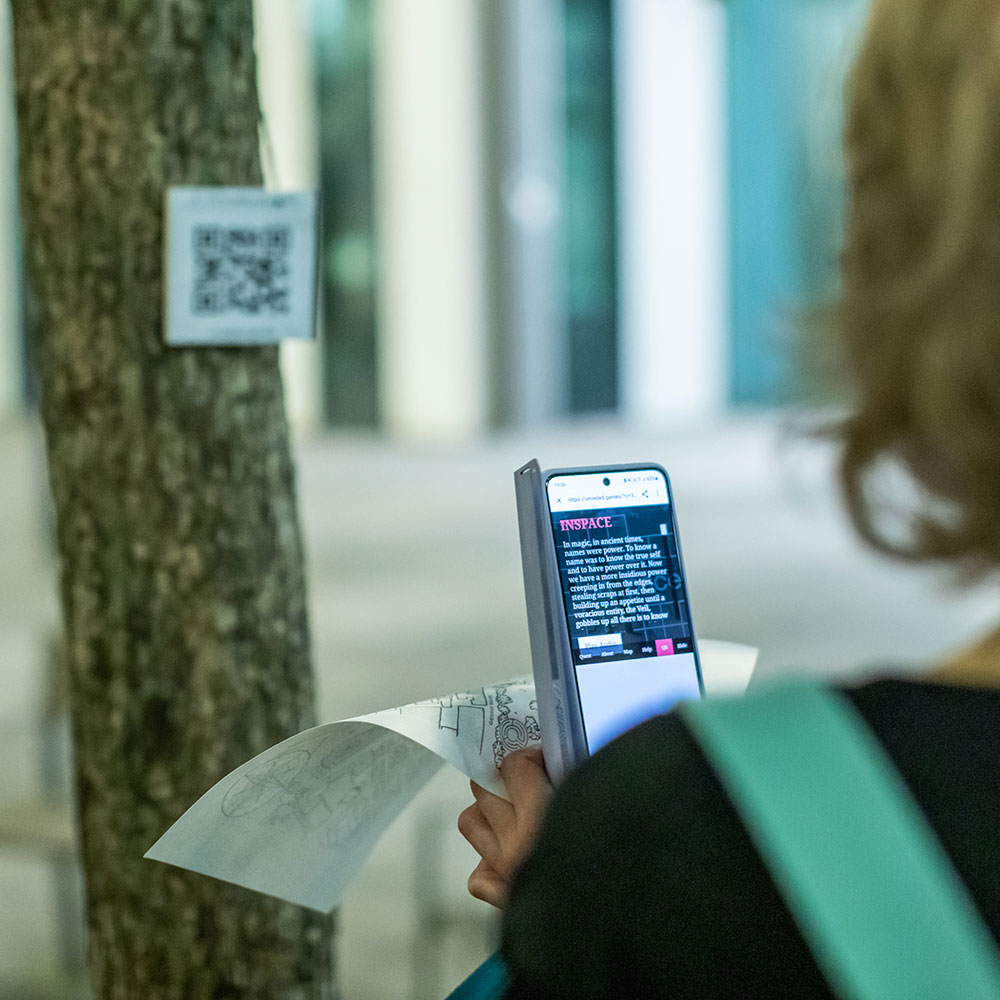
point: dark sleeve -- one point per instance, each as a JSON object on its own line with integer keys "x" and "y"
{"x": 644, "y": 884}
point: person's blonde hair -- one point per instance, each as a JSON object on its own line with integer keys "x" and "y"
{"x": 919, "y": 311}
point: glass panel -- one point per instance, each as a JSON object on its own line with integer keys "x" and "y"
{"x": 343, "y": 41}
{"x": 591, "y": 246}
{"x": 787, "y": 60}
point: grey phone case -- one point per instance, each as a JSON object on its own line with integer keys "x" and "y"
{"x": 563, "y": 741}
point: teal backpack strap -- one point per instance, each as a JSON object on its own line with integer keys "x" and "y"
{"x": 874, "y": 894}
{"x": 488, "y": 982}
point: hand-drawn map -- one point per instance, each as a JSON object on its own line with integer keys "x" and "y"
{"x": 299, "y": 820}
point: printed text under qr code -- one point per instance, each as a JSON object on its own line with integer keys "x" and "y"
{"x": 241, "y": 270}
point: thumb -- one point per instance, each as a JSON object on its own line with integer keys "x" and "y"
{"x": 526, "y": 781}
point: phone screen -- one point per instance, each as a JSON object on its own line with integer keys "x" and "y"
{"x": 625, "y": 597}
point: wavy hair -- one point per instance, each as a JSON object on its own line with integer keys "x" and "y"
{"x": 919, "y": 309}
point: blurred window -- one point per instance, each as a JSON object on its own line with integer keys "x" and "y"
{"x": 343, "y": 47}
{"x": 787, "y": 60}
{"x": 590, "y": 209}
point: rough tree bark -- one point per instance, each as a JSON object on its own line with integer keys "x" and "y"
{"x": 182, "y": 581}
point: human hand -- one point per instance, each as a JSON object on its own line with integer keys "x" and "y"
{"x": 503, "y": 832}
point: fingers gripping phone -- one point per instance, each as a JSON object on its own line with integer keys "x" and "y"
{"x": 609, "y": 622}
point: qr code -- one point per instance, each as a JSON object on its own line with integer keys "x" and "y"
{"x": 242, "y": 270}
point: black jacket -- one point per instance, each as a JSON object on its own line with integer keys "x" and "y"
{"x": 644, "y": 883}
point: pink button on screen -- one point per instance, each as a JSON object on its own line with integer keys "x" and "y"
{"x": 664, "y": 647}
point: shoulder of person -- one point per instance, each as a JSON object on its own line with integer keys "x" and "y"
{"x": 642, "y": 879}
{"x": 620, "y": 830}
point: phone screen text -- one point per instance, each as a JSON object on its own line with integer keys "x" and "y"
{"x": 626, "y": 608}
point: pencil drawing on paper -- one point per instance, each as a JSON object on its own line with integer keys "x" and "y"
{"x": 332, "y": 787}
{"x": 464, "y": 714}
{"x": 512, "y": 733}
{"x": 262, "y": 785}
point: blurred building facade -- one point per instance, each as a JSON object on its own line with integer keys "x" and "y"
{"x": 536, "y": 209}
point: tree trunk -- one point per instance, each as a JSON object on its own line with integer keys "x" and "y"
{"x": 182, "y": 580}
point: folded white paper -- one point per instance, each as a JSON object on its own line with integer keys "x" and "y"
{"x": 299, "y": 820}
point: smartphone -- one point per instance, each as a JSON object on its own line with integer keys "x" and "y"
{"x": 612, "y": 637}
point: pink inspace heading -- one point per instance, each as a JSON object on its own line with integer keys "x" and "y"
{"x": 584, "y": 523}
{"x": 626, "y": 488}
